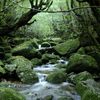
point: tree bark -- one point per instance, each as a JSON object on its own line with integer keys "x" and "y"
{"x": 24, "y": 19}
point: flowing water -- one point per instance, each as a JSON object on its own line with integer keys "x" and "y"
{"x": 44, "y": 88}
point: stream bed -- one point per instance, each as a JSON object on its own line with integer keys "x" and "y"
{"x": 43, "y": 88}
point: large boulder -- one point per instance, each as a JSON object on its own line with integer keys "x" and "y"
{"x": 10, "y": 94}
{"x": 89, "y": 90}
{"x": 80, "y": 63}
{"x": 26, "y": 49}
{"x": 50, "y": 57}
{"x": 68, "y": 47}
{"x": 83, "y": 76}
{"x": 57, "y": 77}
{"x": 23, "y": 68}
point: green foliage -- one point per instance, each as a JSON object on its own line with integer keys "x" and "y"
{"x": 10, "y": 94}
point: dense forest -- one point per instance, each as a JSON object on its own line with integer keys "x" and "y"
{"x": 49, "y": 49}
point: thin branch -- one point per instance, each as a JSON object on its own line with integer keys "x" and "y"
{"x": 63, "y": 11}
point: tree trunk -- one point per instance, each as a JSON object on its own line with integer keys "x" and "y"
{"x": 24, "y": 19}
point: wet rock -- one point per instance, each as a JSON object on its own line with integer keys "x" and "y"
{"x": 23, "y": 68}
{"x": 56, "y": 77}
{"x": 80, "y": 63}
{"x": 68, "y": 47}
{"x": 49, "y": 97}
{"x": 26, "y": 49}
{"x": 65, "y": 98}
{"x": 10, "y": 94}
{"x": 89, "y": 90}
{"x": 83, "y": 76}
{"x": 50, "y": 57}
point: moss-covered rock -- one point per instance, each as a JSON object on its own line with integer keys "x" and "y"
{"x": 89, "y": 90}
{"x": 48, "y": 97}
{"x": 80, "y": 63}
{"x": 26, "y": 49}
{"x": 36, "y": 61}
{"x": 65, "y": 98}
{"x": 23, "y": 68}
{"x": 83, "y": 76}
{"x": 81, "y": 50}
{"x": 47, "y": 57}
{"x": 68, "y": 47}
{"x": 45, "y": 44}
{"x": 10, "y": 94}
{"x": 57, "y": 77}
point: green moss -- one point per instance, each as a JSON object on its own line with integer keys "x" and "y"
{"x": 36, "y": 61}
{"x": 48, "y": 57}
{"x": 89, "y": 90}
{"x": 56, "y": 77}
{"x": 10, "y": 94}
{"x": 26, "y": 49}
{"x": 79, "y": 63}
{"x": 24, "y": 69}
{"x": 81, "y": 50}
{"x": 67, "y": 47}
{"x": 82, "y": 77}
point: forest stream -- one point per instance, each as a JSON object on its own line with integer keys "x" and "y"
{"x": 49, "y": 49}
{"x": 44, "y": 88}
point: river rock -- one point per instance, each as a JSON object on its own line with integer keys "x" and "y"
{"x": 23, "y": 68}
{"x": 68, "y": 47}
{"x": 49, "y": 97}
{"x": 89, "y": 90}
{"x": 26, "y": 49}
{"x": 10, "y": 94}
{"x": 83, "y": 76}
{"x": 56, "y": 77}
{"x": 65, "y": 98}
{"x": 80, "y": 63}
{"x": 50, "y": 57}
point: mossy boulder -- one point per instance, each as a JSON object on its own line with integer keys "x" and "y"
{"x": 80, "y": 63}
{"x": 89, "y": 90}
{"x": 45, "y": 44}
{"x": 65, "y": 98}
{"x": 68, "y": 47}
{"x": 81, "y": 50}
{"x": 10, "y": 94}
{"x": 57, "y": 77}
{"x": 36, "y": 61}
{"x": 23, "y": 68}
{"x": 83, "y": 76}
{"x": 26, "y": 49}
{"x": 49, "y": 57}
{"x": 48, "y": 97}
